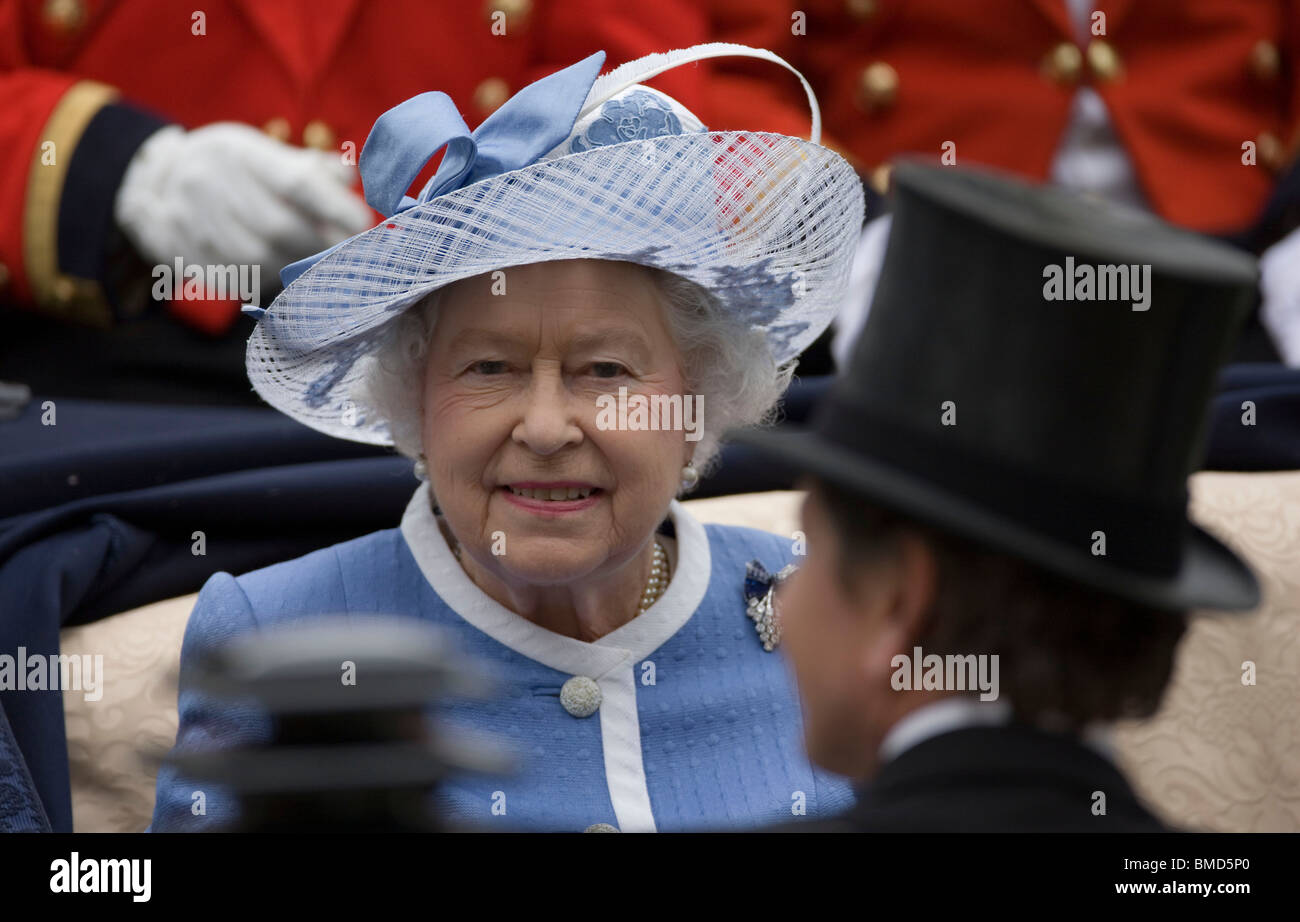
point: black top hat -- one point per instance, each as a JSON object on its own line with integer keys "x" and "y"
{"x": 1034, "y": 374}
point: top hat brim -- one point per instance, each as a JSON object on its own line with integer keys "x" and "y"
{"x": 1209, "y": 576}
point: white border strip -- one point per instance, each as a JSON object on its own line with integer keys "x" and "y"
{"x": 620, "y": 735}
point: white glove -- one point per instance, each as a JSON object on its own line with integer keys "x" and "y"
{"x": 1279, "y": 289}
{"x": 227, "y": 193}
{"x": 862, "y": 288}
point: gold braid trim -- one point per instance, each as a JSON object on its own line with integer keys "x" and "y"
{"x": 64, "y": 296}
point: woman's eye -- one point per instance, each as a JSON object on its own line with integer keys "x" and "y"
{"x": 488, "y": 367}
{"x": 607, "y": 370}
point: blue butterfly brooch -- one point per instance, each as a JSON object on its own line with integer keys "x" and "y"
{"x": 760, "y": 601}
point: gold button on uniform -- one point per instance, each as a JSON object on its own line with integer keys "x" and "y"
{"x": 318, "y": 135}
{"x": 880, "y": 178}
{"x": 78, "y": 300}
{"x": 1064, "y": 63}
{"x": 878, "y": 86}
{"x": 491, "y": 93}
{"x": 1271, "y": 152}
{"x": 860, "y": 9}
{"x": 516, "y": 11}
{"x": 1265, "y": 61}
{"x": 64, "y": 15}
{"x": 1103, "y": 60}
{"x": 63, "y": 292}
{"x": 277, "y": 128}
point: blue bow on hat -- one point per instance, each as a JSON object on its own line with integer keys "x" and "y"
{"x": 529, "y": 124}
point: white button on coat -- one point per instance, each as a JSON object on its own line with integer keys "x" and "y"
{"x": 580, "y": 696}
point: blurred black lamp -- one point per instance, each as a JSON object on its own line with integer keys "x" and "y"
{"x": 353, "y": 745}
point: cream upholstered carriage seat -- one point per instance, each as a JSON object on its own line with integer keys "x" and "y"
{"x": 1220, "y": 755}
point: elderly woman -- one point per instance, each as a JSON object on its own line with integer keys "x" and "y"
{"x": 557, "y": 330}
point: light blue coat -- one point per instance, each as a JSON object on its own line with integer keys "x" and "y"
{"x": 698, "y": 726}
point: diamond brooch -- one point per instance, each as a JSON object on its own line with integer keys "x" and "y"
{"x": 760, "y": 604}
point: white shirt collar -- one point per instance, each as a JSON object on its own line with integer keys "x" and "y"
{"x": 943, "y": 716}
{"x": 630, "y": 643}
{"x": 959, "y": 711}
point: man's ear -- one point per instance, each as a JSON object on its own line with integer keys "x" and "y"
{"x": 907, "y": 585}
{"x": 918, "y": 583}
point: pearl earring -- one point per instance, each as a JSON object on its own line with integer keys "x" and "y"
{"x": 421, "y": 468}
{"x": 690, "y": 477}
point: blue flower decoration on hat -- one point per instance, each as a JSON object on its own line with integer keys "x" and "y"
{"x": 635, "y": 117}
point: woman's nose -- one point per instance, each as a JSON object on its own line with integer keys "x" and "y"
{"x": 548, "y": 423}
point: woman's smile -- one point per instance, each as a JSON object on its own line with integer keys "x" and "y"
{"x": 552, "y": 499}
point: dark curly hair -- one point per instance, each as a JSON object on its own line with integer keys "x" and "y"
{"x": 1068, "y": 655}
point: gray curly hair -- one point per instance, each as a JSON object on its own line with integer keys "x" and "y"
{"x": 725, "y": 360}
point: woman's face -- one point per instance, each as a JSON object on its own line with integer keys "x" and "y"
{"x": 515, "y": 367}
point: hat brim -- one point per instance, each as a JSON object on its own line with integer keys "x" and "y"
{"x": 766, "y": 222}
{"x": 1210, "y": 576}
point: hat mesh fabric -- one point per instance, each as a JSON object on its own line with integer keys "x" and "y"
{"x": 765, "y": 222}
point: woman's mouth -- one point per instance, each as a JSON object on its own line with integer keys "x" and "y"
{"x": 552, "y": 498}
{"x": 553, "y": 494}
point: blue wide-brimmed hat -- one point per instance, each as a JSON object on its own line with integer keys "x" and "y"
{"x": 574, "y": 166}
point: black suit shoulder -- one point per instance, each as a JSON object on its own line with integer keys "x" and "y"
{"x": 994, "y": 779}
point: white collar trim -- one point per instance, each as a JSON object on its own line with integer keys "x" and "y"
{"x": 940, "y": 717}
{"x": 959, "y": 711}
{"x": 628, "y": 644}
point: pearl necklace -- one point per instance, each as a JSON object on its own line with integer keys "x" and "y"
{"x": 658, "y": 581}
{"x": 655, "y": 585}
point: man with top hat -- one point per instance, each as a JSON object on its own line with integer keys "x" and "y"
{"x": 1000, "y": 559}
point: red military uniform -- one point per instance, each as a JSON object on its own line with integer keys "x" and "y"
{"x": 1185, "y": 84}
{"x": 312, "y": 72}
